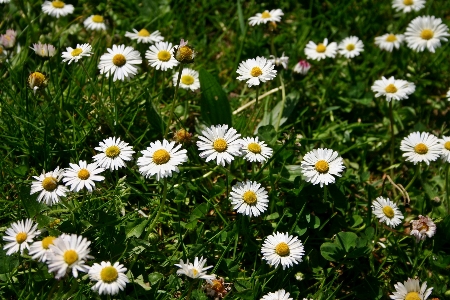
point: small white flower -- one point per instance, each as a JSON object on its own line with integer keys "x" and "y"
{"x": 255, "y": 150}
{"x": 77, "y": 53}
{"x": 120, "y": 61}
{"x": 143, "y": 36}
{"x": 160, "y": 56}
{"x": 321, "y": 165}
{"x": 19, "y": 235}
{"x": 273, "y": 16}
{"x": 426, "y": 32}
{"x": 421, "y": 146}
{"x": 189, "y": 79}
{"x": 302, "y": 67}
{"x": 95, "y": 22}
{"x": 57, "y": 8}
{"x": 249, "y": 198}
{"x": 8, "y": 40}
{"x": 82, "y": 175}
{"x": 392, "y": 88}
{"x": 408, "y": 5}
{"x": 256, "y": 70}
{"x": 48, "y": 185}
{"x": 4, "y": 1}
{"x": 113, "y": 154}
{"x": 44, "y": 50}
{"x": 196, "y": 270}
{"x": 40, "y": 249}
{"x": 445, "y": 148}
{"x": 350, "y": 47}
{"x": 219, "y": 143}
{"x": 278, "y": 295}
{"x": 411, "y": 289}
{"x": 387, "y": 212}
{"x": 448, "y": 95}
{"x": 389, "y": 41}
{"x": 279, "y": 61}
{"x": 282, "y": 248}
{"x": 320, "y": 51}
{"x": 110, "y": 278}
{"x": 161, "y": 159}
{"x": 423, "y": 228}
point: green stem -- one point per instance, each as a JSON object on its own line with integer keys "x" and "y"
{"x": 283, "y": 101}
{"x": 161, "y": 206}
{"x": 415, "y": 176}
{"x": 180, "y": 69}
{"x": 391, "y": 117}
{"x": 188, "y": 296}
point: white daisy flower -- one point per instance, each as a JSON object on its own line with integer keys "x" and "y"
{"x": 426, "y": 33}
{"x": 302, "y": 67}
{"x": 321, "y": 50}
{"x": 82, "y": 175}
{"x": 421, "y": 146}
{"x": 44, "y": 50}
{"x": 273, "y": 16}
{"x": 219, "y": 143}
{"x": 448, "y": 95}
{"x": 282, "y": 248}
{"x": 119, "y": 61}
{"x": 279, "y": 61}
{"x": 70, "y": 252}
{"x": 39, "y": 249}
{"x": 423, "y": 228}
{"x": 392, "y": 88}
{"x": 351, "y": 46}
{"x": 255, "y": 150}
{"x": 408, "y": 5}
{"x": 95, "y": 22}
{"x": 389, "y": 41}
{"x": 77, "y": 53}
{"x": 256, "y": 70}
{"x": 4, "y": 1}
{"x": 160, "y": 56}
{"x": 48, "y": 186}
{"x": 110, "y": 278}
{"x": 8, "y": 40}
{"x": 321, "y": 165}
{"x": 445, "y": 148}
{"x": 19, "y": 235}
{"x": 411, "y": 289}
{"x": 387, "y": 212}
{"x": 57, "y": 8}
{"x": 249, "y": 198}
{"x": 189, "y": 79}
{"x": 278, "y": 295}
{"x": 143, "y": 36}
{"x": 113, "y": 154}
{"x": 161, "y": 159}
{"x": 196, "y": 270}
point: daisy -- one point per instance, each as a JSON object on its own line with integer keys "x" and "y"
{"x": 408, "y": 5}
{"x": 426, "y": 33}
{"x": 4, "y": 1}
{"x": 350, "y": 47}
{"x": 57, "y": 8}
{"x": 217, "y": 289}
{"x": 273, "y": 16}
{"x": 19, "y": 235}
{"x": 8, "y": 40}
{"x": 421, "y": 146}
{"x": 37, "y": 80}
{"x": 389, "y": 40}
{"x": 392, "y": 88}
{"x": 411, "y": 289}
{"x": 255, "y": 150}
{"x": 70, "y": 252}
{"x": 249, "y": 198}
{"x": 256, "y": 70}
{"x": 302, "y": 67}
{"x": 189, "y": 79}
{"x": 110, "y": 278}
{"x": 321, "y": 50}
{"x": 77, "y": 53}
{"x": 161, "y": 159}
{"x": 279, "y": 61}
{"x": 387, "y": 211}
{"x": 82, "y": 175}
{"x": 160, "y": 56}
{"x": 319, "y": 166}
{"x": 445, "y": 148}
{"x": 184, "y": 53}
{"x": 44, "y": 50}
{"x": 39, "y": 250}
{"x": 195, "y": 270}
{"x": 278, "y": 295}
{"x": 143, "y": 36}
{"x": 422, "y": 228}
{"x": 113, "y": 154}
{"x": 49, "y": 187}
{"x": 282, "y": 248}
{"x": 120, "y": 61}
{"x": 95, "y": 22}
{"x": 219, "y": 143}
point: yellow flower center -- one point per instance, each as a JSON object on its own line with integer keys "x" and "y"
{"x": 322, "y": 166}
{"x": 185, "y": 54}
{"x": 119, "y": 60}
{"x": 143, "y": 32}
{"x": 182, "y": 136}
{"x": 36, "y": 79}
{"x": 282, "y": 249}
{"x": 112, "y": 151}
{"x": 265, "y": 15}
{"x": 256, "y": 71}
{"x": 412, "y": 296}
{"x": 1, "y": 50}
{"x": 164, "y": 55}
{"x": 220, "y": 145}
{"x": 76, "y": 52}
{"x": 161, "y": 156}
{"x": 350, "y": 47}
{"x": 408, "y": 2}
{"x": 57, "y": 4}
{"x": 447, "y": 145}
{"x": 423, "y": 227}
{"x": 70, "y": 256}
{"x": 187, "y": 79}
{"x": 391, "y": 38}
{"x": 83, "y": 174}
{"x": 321, "y": 48}
{"x": 390, "y": 89}
{"x": 49, "y": 184}
{"x": 97, "y": 19}
{"x": 195, "y": 272}
{"x": 109, "y": 274}
{"x": 21, "y": 237}
{"x": 388, "y": 212}
{"x": 46, "y": 242}
{"x": 421, "y": 148}
{"x": 249, "y": 197}
{"x": 254, "y": 147}
{"x": 427, "y": 34}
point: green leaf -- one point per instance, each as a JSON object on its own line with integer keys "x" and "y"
{"x": 154, "y": 277}
{"x": 7, "y": 262}
{"x": 273, "y": 216}
{"x": 331, "y": 251}
{"x": 29, "y": 202}
{"x": 136, "y": 228}
{"x": 153, "y": 117}
{"x": 347, "y": 240}
{"x": 267, "y": 134}
{"x": 200, "y": 211}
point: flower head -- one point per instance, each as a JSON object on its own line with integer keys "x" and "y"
{"x": 408, "y": 5}
{"x": 445, "y": 148}
{"x": 196, "y": 270}
{"x": 143, "y": 36}
{"x": 217, "y": 289}
{"x": 279, "y": 61}
{"x": 40, "y": 249}
{"x": 113, "y": 154}
{"x": 110, "y": 278}
{"x": 267, "y": 16}
{"x": 19, "y": 235}
{"x": 48, "y": 184}
{"x": 302, "y": 67}
{"x": 282, "y": 248}
{"x": 321, "y": 165}
{"x": 183, "y": 136}
{"x": 320, "y": 51}
{"x": 8, "y": 40}
{"x": 411, "y": 290}
{"x": 426, "y": 32}
{"x": 120, "y": 61}
{"x": 44, "y": 50}
{"x": 255, "y": 150}
{"x": 37, "y": 80}
{"x": 278, "y": 295}
{"x": 350, "y": 47}
{"x": 77, "y": 53}
{"x": 95, "y": 22}
{"x": 184, "y": 53}
{"x": 160, "y": 56}
{"x": 249, "y": 198}
{"x": 57, "y": 8}
{"x": 189, "y": 79}
{"x": 256, "y": 70}
{"x": 82, "y": 176}
{"x": 421, "y": 146}
{"x": 423, "y": 228}
{"x": 387, "y": 211}
{"x": 392, "y": 88}
{"x": 389, "y": 41}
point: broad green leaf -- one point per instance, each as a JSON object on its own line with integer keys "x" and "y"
{"x": 153, "y": 117}
{"x": 136, "y": 228}
{"x": 268, "y": 134}
{"x": 7, "y": 262}
{"x": 347, "y": 240}
{"x": 154, "y": 277}
{"x": 200, "y": 211}
{"x": 331, "y": 251}
{"x": 29, "y": 202}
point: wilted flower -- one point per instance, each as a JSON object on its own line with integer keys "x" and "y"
{"x": 44, "y": 50}
{"x": 184, "y": 53}
{"x": 37, "y": 80}
{"x": 217, "y": 289}
{"x": 279, "y": 61}
{"x": 422, "y": 228}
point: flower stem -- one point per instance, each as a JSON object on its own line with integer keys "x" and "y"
{"x": 446, "y": 188}
{"x": 161, "y": 206}
{"x": 414, "y": 178}
{"x": 180, "y": 69}
{"x": 391, "y": 118}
